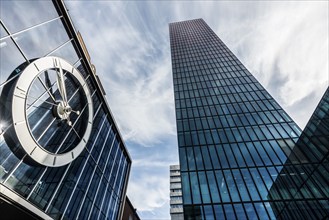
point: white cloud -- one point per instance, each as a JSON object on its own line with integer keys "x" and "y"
{"x": 286, "y": 48}
{"x": 145, "y": 109}
{"x": 149, "y": 192}
{"x": 284, "y": 44}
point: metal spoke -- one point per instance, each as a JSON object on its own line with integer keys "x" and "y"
{"x": 47, "y": 89}
{"x": 75, "y": 132}
{"x": 43, "y": 133}
{"x": 38, "y": 99}
{"x": 35, "y": 106}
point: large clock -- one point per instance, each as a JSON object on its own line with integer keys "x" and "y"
{"x": 51, "y": 112}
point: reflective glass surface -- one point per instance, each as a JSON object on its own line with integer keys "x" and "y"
{"x": 19, "y": 15}
{"x": 309, "y": 179}
{"x": 11, "y": 58}
{"x": 92, "y": 185}
{"x": 236, "y": 144}
{"x": 29, "y": 41}
{"x": 3, "y": 33}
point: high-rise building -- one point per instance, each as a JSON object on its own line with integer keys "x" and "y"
{"x": 233, "y": 137}
{"x": 176, "y": 200}
{"x": 306, "y": 178}
{"x": 61, "y": 154}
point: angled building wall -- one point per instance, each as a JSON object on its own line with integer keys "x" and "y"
{"x": 307, "y": 181}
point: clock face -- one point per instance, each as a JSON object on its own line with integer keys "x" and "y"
{"x": 51, "y": 111}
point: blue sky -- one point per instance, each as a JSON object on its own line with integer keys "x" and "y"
{"x": 284, "y": 45}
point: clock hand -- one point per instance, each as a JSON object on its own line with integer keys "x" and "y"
{"x": 61, "y": 82}
{"x": 48, "y": 83}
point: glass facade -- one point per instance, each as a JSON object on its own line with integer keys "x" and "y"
{"x": 93, "y": 185}
{"x": 233, "y": 137}
{"x": 307, "y": 180}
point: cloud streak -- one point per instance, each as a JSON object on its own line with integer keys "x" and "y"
{"x": 283, "y": 44}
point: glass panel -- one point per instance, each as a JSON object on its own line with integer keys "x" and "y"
{"x": 29, "y": 41}
{"x": 250, "y": 184}
{"x": 254, "y": 154}
{"x": 246, "y": 154}
{"x": 239, "y": 211}
{"x": 261, "y": 211}
{"x": 229, "y": 212}
{"x": 3, "y": 33}
{"x": 241, "y": 185}
{"x": 46, "y": 186}
{"x": 214, "y": 158}
{"x": 244, "y": 134}
{"x": 271, "y": 153}
{"x": 198, "y": 212}
{"x": 195, "y": 188}
{"x": 222, "y": 157}
{"x": 231, "y": 185}
{"x": 67, "y": 52}
{"x": 222, "y": 186}
{"x": 18, "y": 15}
{"x": 251, "y": 213}
{"x": 222, "y": 136}
{"x": 7, "y": 160}
{"x": 204, "y": 187}
{"x": 213, "y": 187}
{"x": 219, "y": 213}
{"x": 182, "y": 159}
{"x": 238, "y": 155}
{"x": 188, "y": 212}
{"x": 208, "y": 214}
{"x": 259, "y": 183}
{"x": 262, "y": 153}
{"x": 206, "y": 158}
{"x": 190, "y": 158}
{"x": 186, "y": 188}
{"x": 269, "y": 210}
{"x": 198, "y": 158}
{"x": 230, "y": 155}
{"x": 11, "y": 58}
{"x": 24, "y": 178}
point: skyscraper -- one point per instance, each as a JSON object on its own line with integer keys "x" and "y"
{"x": 61, "y": 153}
{"x": 233, "y": 137}
{"x": 306, "y": 180}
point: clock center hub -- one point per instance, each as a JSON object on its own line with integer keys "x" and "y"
{"x": 62, "y": 111}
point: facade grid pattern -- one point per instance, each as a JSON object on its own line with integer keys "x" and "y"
{"x": 233, "y": 137}
{"x": 311, "y": 177}
{"x": 93, "y": 185}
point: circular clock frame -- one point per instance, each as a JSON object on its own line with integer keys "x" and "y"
{"x": 20, "y": 120}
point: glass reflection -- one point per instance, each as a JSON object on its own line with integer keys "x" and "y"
{"x": 3, "y": 33}
{"x": 67, "y": 52}
{"x": 10, "y": 59}
{"x": 29, "y": 41}
{"x": 19, "y": 15}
